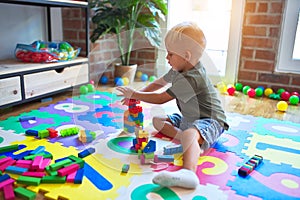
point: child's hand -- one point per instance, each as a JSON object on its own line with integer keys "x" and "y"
{"x": 127, "y": 92}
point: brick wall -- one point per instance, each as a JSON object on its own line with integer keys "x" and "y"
{"x": 260, "y": 42}
{"x": 104, "y": 52}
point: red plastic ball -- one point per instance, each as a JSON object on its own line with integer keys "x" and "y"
{"x": 295, "y": 93}
{"x": 251, "y": 93}
{"x": 285, "y": 96}
{"x": 231, "y": 91}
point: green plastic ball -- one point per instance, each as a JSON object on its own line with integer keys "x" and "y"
{"x": 152, "y": 78}
{"x": 245, "y": 89}
{"x": 238, "y": 87}
{"x": 259, "y": 92}
{"x": 294, "y": 100}
{"x": 90, "y": 87}
{"x": 83, "y": 89}
{"x": 280, "y": 90}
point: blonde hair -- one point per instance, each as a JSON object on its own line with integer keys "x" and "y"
{"x": 187, "y": 36}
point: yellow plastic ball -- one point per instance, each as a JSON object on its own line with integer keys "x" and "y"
{"x": 282, "y": 106}
{"x": 268, "y": 91}
{"x": 139, "y": 74}
{"x": 222, "y": 87}
{"x": 125, "y": 80}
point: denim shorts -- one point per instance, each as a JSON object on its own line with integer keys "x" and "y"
{"x": 210, "y": 129}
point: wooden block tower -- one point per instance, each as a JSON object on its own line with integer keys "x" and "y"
{"x": 133, "y": 117}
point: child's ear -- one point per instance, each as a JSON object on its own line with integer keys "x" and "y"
{"x": 188, "y": 56}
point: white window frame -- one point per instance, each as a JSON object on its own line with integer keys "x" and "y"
{"x": 285, "y": 61}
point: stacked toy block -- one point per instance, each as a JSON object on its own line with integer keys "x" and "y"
{"x": 34, "y": 167}
{"x": 143, "y": 146}
{"x": 86, "y": 136}
{"x": 51, "y": 133}
{"x": 133, "y": 117}
{"x": 250, "y": 165}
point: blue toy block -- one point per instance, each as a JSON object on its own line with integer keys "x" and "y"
{"x": 125, "y": 168}
{"x": 163, "y": 158}
{"x": 39, "y": 149}
{"x": 150, "y": 147}
{"x": 31, "y": 132}
{"x": 86, "y": 152}
{"x": 21, "y": 156}
{"x": 134, "y": 141}
{"x": 4, "y": 177}
{"x": 79, "y": 176}
{"x": 60, "y": 159}
{"x": 26, "y": 118}
{"x": 170, "y": 150}
{"x": 16, "y": 170}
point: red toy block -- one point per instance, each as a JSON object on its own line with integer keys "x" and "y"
{"x": 4, "y": 160}
{"x": 46, "y": 162}
{"x": 8, "y": 191}
{"x": 71, "y": 177}
{"x": 68, "y": 170}
{"x": 52, "y": 133}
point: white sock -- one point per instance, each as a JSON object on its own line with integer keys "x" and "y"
{"x": 182, "y": 178}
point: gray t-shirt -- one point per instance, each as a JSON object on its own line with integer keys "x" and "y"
{"x": 195, "y": 95}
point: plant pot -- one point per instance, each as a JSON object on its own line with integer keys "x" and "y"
{"x": 125, "y": 71}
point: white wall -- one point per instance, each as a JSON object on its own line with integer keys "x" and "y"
{"x": 20, "y": 24}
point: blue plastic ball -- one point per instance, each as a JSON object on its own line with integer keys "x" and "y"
{"x": 117, "y": 79}
{"x": 144, "y": 77}
{"x": 104, "y": 80}
{"x": 120, "y": 82}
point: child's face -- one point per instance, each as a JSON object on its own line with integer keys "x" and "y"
{"x": 177, "y": 62}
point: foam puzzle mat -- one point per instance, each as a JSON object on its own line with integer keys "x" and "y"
{"x": 278, "y": 142}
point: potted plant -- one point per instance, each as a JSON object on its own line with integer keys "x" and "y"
{"x": 125, "y": 17}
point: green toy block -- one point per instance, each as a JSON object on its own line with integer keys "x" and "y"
{"x": 9, "y": 148}
{"x": 3, "y": 156}
{"x": 50, "y": 172}
{"x": 54, "y": 179}
{"x": 43, "y": 134}
{"x": 60, "y": 164}
{"x": 24, "y": 193}
{"x": 28, "y": 180}
{"x": 93, "y": 134}
{"x": 149, "y": 155}
{"x": 32, "y": 157}
{"x": 77, "y": 160}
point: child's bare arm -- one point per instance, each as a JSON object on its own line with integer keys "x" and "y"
{"x": 149, "y": 97}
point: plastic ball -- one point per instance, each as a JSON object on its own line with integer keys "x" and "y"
{"x": 152, "y": 78}
{"x": 120, "y": 82}
{"x": 282, "y": 106}
{"x": 92, "y": 82}
{"x": 285, "y": 96}
{"x": 268, "y": 91}
{"x": 231, "y": 91}
{"x": 238, "y": 86}
{"x": 259, "y": 92}
{"x": 245, "y": 89}
{"x": 104, "y": 80}
{"x": 90, "y": 87}
{"x": 83, "y": 89}
{"x": 294, "y": 100}
{"x": 139, "y": 74}
{"x": 280, "y": 90}
{"x": 261, "y": 87}
{"x": 295, "y": 93}
{"x": 144, "y": 77}
{"x": 222, "y": 87}
{"x": 251, "y": 93}
{"x": 116, "y": 79}
{"x": 125, "y": 80}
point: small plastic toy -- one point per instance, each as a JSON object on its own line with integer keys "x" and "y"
{"x": 125, "y": 168}
{"x": 152, "y": 78}
{"x": 231, "y": 91}
{"x": 144, "y": 77}
{"x": 238, "y": 86}
{"x": 245, "y": 89}
{"x": 125, "y": 80}
{"x": 250, "y": 165}
{"x": 282, "y": 106}
{"x": 268, "y": 91}
{"x": 285, "y": 95}
{"x": 251, "y": 93}
{"x": 294, "y": 100}
{"x": 104, "y": 80}
{"x": 26, "y": 118}
{"x": 139, "y": 74}
{"x": 280, "y": 91}
{"x": 259, "y": 92}
{"x": 83, "y": 89}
